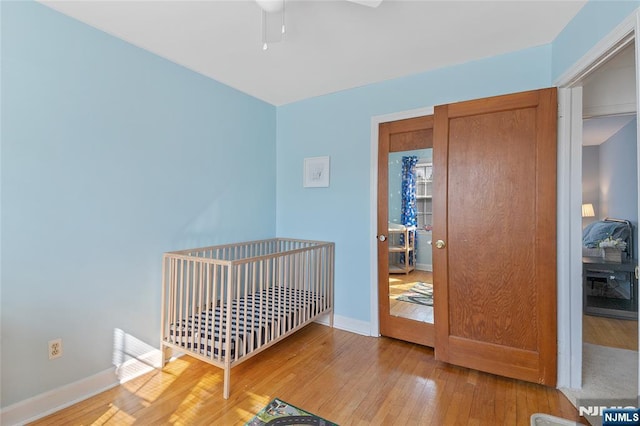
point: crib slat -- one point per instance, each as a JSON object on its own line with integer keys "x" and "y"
{"x": 264, "y": 285}
{"x": 207, "y": 303}
{"x": 174, "y": 293}
{"x": 215, "y": 306}
{"x": 304, "y": 284}
{"x": 221, "y": 303}
{"x": 163, "y": 313}
{"x": 227, "y": 327}
{"x": 217, "y": 340}
{"x": 202, "y": 335}
{"x": 181, "y": 303}
{"x": 293, "y": 295}
{"x": 190, "y": 307}
{"x": 254, "y": 325}
{"x": 330, "y": 277}
{"x": 242, "y": 311}
{"x": 320, "y": 285}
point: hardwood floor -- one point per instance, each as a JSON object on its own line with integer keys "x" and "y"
{"x": 399, "y": 283}
{"x": 617, "y": 333}
{"x": 344, "y": 377}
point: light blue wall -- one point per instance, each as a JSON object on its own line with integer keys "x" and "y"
{"x": 339, "y": 125}
{"x": 593, "y": 22}
{"x": 110, "y": 157}
{"x": 618, "y": 177}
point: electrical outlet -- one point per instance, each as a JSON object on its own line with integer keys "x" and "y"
{"x": 55, "y": 348}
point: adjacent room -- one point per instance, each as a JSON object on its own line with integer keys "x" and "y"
{"x": 609, "y": 217}
{"x": 410, "y": 224}
{"x": 219, "y": 212}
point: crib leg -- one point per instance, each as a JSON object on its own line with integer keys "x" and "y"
{"x": 166, "y": 355}
{"x": 331, "y": 319}
{"x": 227, "y": 379}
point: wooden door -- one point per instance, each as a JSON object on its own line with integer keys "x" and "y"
{"x": 495, "y": 186}
{"x": 395, "y": 137}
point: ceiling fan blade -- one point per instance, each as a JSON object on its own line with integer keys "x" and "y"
{"x": 370, "y": 3}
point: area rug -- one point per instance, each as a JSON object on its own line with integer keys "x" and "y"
{"x": 421, "y": 293}
{"x": 609, "y": 377}
{"x": 278, "y": 412}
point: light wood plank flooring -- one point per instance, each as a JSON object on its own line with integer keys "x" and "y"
{"x": 617, "y": 333}
{"x": 344, "y": 377}
{"x": 398, "y": 284}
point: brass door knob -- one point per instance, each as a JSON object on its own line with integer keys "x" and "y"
{"x": 440, "y": 244}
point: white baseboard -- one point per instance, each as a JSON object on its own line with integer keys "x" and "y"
{"x": 348, "y": 324}
{"x": 424, "y": 267}
{"x": 55, "y": 400}
{"x": 49, "y": 402}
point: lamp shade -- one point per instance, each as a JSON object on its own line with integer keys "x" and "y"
{"x": 587, "y": 210}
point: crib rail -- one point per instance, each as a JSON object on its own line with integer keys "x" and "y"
{"x": 248, "y": 251}
{"x": 224, "y": 304}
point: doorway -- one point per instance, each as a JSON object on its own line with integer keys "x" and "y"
{"x": 610, "y": 200}
{"x": 410, "y": 214}
{"x": 570, "y": 270}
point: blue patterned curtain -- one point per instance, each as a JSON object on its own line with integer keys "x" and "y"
{"x": 408, "y": 214}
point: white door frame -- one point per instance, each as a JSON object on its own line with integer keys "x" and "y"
{"x": 570, "y": 195}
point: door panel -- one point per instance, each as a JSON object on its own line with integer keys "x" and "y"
{"x": 397, "y": 136}
{"x": 495, "y": 182}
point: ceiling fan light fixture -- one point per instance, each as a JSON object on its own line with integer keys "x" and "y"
{"x": 370, "y": 3}
{"x": 271, "y": 6}
{"x": 273, "y": 23}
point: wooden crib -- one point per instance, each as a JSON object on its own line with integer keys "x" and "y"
{"x": 224, "y": 304}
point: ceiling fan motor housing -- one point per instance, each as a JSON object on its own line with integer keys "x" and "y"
{"x": 271, "y": 6}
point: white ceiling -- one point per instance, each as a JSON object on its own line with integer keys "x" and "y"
{"x": 609, "y": 101}
{"x": 597, "y": 130}
{"x": 329, "y": 45}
